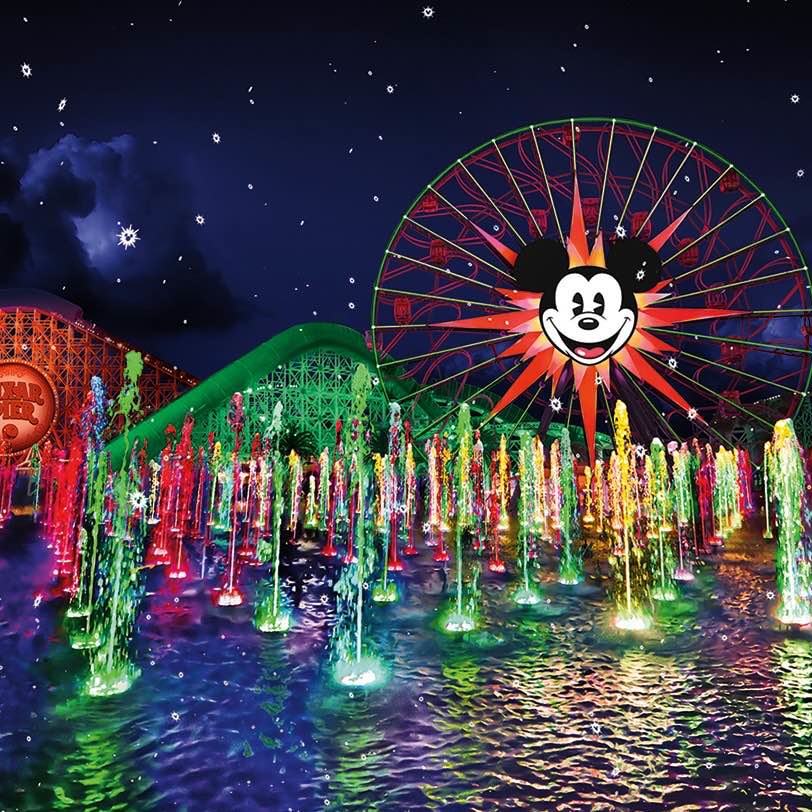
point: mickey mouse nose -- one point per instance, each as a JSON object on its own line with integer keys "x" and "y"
{"x": 588, "y": 323}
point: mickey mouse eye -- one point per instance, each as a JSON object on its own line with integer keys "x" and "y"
{"x": 578, "y": 304}
{"x": 598, "y": 304}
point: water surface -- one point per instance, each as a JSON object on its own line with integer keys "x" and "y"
{"x": 545, "y": 708}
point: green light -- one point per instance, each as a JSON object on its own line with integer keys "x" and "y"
{"x": 113, "y": 682}
{"x": 85, "y": 639}
{"x": 385, "y": 593}
{"x": 631, "y": 622}
{"x": 666, "y": 593}
{"x": 77, "y": 611}
{"x": 279, "y": 622}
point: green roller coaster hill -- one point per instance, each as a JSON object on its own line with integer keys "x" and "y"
{"x": 309, "y": 368}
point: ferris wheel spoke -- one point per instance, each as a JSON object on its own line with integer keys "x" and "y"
{"x": 475, "y": 395}
{"x": 754, "y": 280}
{"x": 678, "y": 315}
{"x": 654, "y": 409}
{"x": 445, "y": 351}
{"x": 738, "y": 372}
{"x": 547, "y": 184}
{"x": 513, "y": 181}
{"x": 425, "y": 326}
{"x": 605, "y": 174}
{"x": 728, "y": 340}
{"x": 436, "y": 269}
{"x": 454, "y": 376}
{"x": 696, "y": 384}
{"x": 664, "y": 192}
{"x": 637, "y": 175}
{"x": 714, "y": 229}
{"x": 450, "y": 299}
{"x": 757, "y": 314}
{"x": 739, "y": 282}
{"x": 530, "y": 402}
{"x": 458, "y": 247}
{"x": 667, "y": 233}
{"x": 506, "y": 253}
{"x": 732, "y": 254}
{"x": 569, "y": 406}
{"x": 492, "y": 203}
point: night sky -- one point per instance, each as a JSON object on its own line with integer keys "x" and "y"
{"x": 330, "y": 120}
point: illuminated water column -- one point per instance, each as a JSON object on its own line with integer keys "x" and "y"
{"x": 632, "y": 591}
{"x": 271, "y": 613}
{"x": 660, "y": 485}
{"x": 571, "y": 566}
{"x": 526, "y": 594}
{"x": 388, "y": 478}
{"x": 121, "y": 554}
{"x": 682, "y": 509}
{"x": 462, "y": 617}
{"x": 792, "y": 554}
{"x": 354, "y": 666}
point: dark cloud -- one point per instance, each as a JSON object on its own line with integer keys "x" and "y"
{"x": 60, "y": 212}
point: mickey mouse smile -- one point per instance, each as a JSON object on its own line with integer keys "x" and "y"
{"x": 590, "y": 351}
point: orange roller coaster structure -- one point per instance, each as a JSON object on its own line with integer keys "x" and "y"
{"x": 49, "y": 334}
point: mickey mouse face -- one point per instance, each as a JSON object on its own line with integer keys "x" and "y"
{"x": 587, "y": 320}
{"x": 588, "y": 312}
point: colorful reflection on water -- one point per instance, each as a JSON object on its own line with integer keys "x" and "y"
{"x": 543, "y": 706}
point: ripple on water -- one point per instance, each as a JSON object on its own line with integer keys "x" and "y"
{"x": 541, "y": 707}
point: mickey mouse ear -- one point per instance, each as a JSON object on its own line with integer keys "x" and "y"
{"x": 539, "y": 262}
{"x": 636, "y": 262}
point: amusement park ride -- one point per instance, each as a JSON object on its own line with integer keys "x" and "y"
{"x": 721, "y": 343}
{"x": 60, "y": 351}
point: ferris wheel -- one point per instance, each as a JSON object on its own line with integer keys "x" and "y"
{"x": 562, "y": 266}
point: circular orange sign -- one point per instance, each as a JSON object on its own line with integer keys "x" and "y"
{"x": 27, "y": 405}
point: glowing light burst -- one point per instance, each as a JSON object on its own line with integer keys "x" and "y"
{"x": 279, "y": 622}
{"x": 632, "y": 623}
{"x": 128, "y": 237}
{"x": 138, "y": 500}
{"x": 363, "y": 673}
{"x": 111, "y": 683}
{"x": 526, "y": 597}
{"x": 457, "y": 623}
{"x": 542, "y": 360}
